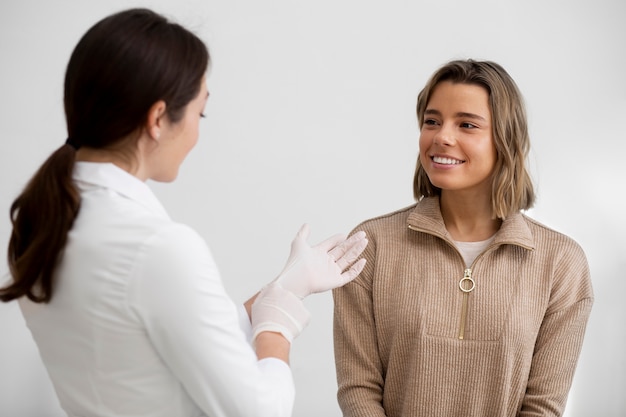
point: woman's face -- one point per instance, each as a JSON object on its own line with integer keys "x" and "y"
{"x": 178, "y": 138}
{"x": 457, "y": 149}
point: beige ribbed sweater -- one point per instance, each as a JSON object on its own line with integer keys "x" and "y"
{"x": 410, "y": 343}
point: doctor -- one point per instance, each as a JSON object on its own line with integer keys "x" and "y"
{"x": 127, "y": 306}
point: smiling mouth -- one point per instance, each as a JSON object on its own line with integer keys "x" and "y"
{"x": 446, "y": 161}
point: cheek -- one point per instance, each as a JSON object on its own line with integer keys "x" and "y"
{"x": 196, "y": 136}
{"x": 424, "y": 143}
{"x": 491, "y": 150}
{"x": 489, "y": 157}
{"x": 192, "y": 134}
{"x": 194, "y": 142}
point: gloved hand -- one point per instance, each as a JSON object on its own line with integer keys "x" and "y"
{"x": 279, "y": 307}
{"x": 278, "y": 310}
{"x": 321, "y": 268}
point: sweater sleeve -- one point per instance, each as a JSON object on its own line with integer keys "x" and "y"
{"x": 360, "y": 374}
{"x": 560, "y": 337}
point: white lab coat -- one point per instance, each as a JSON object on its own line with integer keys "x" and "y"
{"x": 139, "y": 323}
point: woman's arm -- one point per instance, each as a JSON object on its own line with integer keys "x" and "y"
{"x": 358, "y": 364}
{"x": 554, "y": 361}
{"x": 560, "y": 337}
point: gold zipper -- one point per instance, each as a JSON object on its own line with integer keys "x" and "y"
{"x": 467, "y": 285}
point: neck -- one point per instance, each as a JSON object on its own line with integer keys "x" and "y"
{"x": 123, "y": 160}
{"x": 468, "y": 217}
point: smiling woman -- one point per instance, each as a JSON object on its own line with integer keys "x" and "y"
{"x": 466, "y": 306}
{"x": 505, "y": 115}
{"x": 457, "y": 150}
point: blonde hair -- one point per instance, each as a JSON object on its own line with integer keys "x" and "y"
{"x": 512, "y": 188}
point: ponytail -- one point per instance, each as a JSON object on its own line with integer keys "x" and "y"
{"x": 41, "y": 217}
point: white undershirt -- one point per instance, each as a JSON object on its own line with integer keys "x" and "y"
{"x": 470, "y": 250}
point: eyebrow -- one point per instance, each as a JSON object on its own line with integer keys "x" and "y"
{"x": 458, "y": 115}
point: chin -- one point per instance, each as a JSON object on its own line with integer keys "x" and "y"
{"x": 165, "y": 177}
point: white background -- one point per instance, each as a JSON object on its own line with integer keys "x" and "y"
{"x": 311, "y": 118}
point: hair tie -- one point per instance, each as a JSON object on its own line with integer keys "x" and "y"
{"x": 70, "y": 141}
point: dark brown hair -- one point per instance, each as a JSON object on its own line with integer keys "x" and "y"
{"x": 512, "y": 188}
{"x": 122, "y": 66}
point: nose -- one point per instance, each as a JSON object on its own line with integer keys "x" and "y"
{"x": 444, "y": 136}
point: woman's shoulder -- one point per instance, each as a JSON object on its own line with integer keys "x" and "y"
{"x": 547, "y": 237}
{"x": 389, "y": 222}
{"x": 174, "y": 248}
{"x": 174, "y": 235}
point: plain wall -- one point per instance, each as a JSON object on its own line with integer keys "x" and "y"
{"x": 312, "y": 119}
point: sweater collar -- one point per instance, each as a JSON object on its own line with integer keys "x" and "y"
{"x": 107, "y": 175}
{"x": 426, "y": 217}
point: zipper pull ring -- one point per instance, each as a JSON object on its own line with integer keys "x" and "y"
{"x": 467, "y": 284}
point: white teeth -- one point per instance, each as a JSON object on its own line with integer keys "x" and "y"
{"x": 446, "y": 161}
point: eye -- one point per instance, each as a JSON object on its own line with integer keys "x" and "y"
{"x": 466, "y": 125}
{"x": 430, "y": 122}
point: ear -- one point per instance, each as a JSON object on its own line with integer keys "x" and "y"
{"x": 156, "y": 119}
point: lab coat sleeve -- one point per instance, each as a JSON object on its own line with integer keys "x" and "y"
{"x": 195, "y": 327}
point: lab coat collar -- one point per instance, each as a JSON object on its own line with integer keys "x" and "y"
{"x": 108, "y": 175}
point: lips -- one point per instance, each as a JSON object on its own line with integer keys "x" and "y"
{"x": 446, "y": 161}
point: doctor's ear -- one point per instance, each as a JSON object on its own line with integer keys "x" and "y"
{"x": 156, "y": 119}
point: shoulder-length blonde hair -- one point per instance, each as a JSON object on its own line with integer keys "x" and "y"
{"x": 512, "y": 188}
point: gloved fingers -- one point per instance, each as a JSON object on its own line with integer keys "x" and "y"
{"x": 301, "y": 237}
{"x": 352, "y": 254}
{"x": 349, "y": 250}
{"x": 297, "y": 245}
{"x": 341, "y": 248}
{"x": 304, "y": 231}
{"x": 352, "y": 272}
{"x": 332, "y": 242}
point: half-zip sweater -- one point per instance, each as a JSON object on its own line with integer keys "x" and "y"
{"x": 420, "y": 334}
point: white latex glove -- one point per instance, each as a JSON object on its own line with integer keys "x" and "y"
{"x": 278, "y": 310}
{"x": 314, "y": 269}
{"x": 279, "y": 307}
